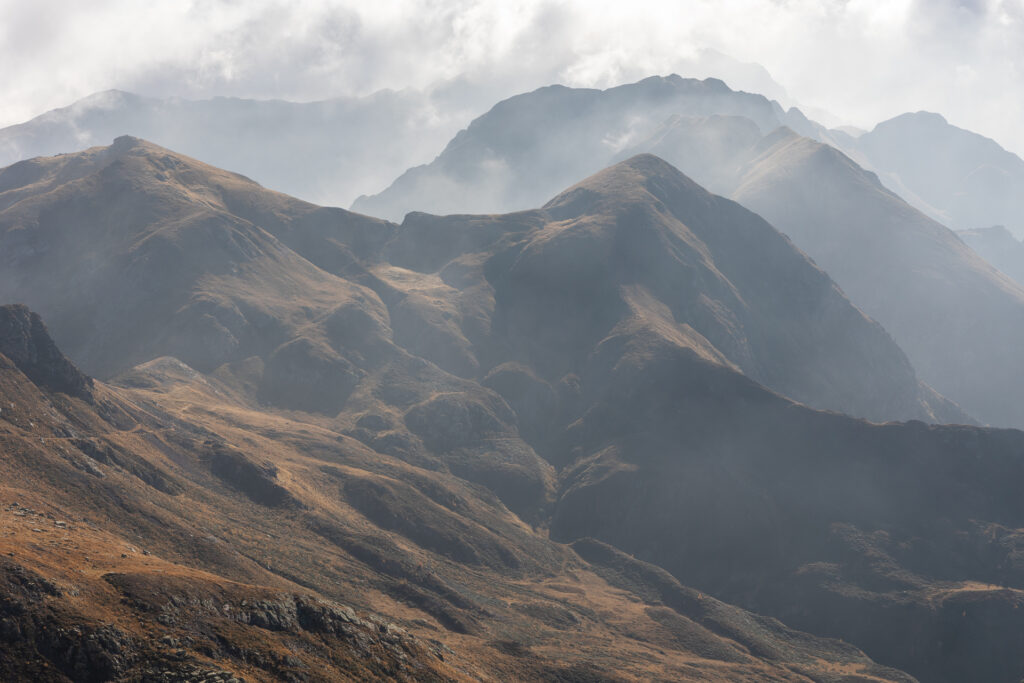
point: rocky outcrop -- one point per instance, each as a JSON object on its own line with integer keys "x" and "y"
{"x": 25, "y": 340}
{"x": 258, "y": 481}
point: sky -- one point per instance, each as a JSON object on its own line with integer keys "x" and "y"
{"x": 862, "y": 61}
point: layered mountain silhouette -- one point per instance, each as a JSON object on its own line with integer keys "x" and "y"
{"x": 495, "y": 445}
{"x": 329, "y": 151}
{"x": 961, "y": 179}
{"x": 170, "y": 257}
{"x": 528, "y": 146}
{"x": 999, "y": 247}
{"x": 913, "y": 275}
{"x": 908, "y": 272}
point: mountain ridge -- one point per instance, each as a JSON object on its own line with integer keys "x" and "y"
{"x": 487, "y": 153}
{"x": 932, "y": 319}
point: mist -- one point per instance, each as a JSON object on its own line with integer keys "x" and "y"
{"x": 853, "y": 62}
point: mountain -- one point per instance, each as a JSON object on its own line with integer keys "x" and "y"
{"x": 445, "y": 438}
{"x": 168, "y": 532}
{"x": 526, "y": 147}
{"x": 911, "y": 274}
{"x": 962, "y": 179}
{"x": 999, "y": 247}
{"x": 956, "y": 317}
{"x": 169, "y": 526}
{"x": 328, "y": 152}
{"x": 171, "y": 257}
{"x": 900, "y": 537}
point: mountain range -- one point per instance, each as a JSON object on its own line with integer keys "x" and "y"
{"x": 351, "y": 146}
{"x": 593, "y": 440}
{"x": 908, "y": 272}
{"x": 526, "y": 147}
{"x": 328, "y": 151}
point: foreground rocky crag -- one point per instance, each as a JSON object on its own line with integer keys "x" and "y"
{"x": 306, "y": 404}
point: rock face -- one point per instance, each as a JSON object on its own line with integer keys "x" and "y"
{"x": 26, "y": 342}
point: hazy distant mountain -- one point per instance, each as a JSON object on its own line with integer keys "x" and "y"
{"x": 957, "y": 318}
{"x": 997, "y": 246}
{"x": 529, "y": 145}
{"x": 393, "y": 417}
{"x": 962, "y": 179}
{"x": 328, "y": 152}
{"x": 910, "y": 273}
{"x": 906, "y": 271}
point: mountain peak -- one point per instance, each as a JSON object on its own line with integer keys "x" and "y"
{"x": 717, "y": 84}
{"x": 26, "y": 342}
{"x": 624, "y": 183}
{"x": 645, "y": 164}
{"x": 918, "y": 118}
{"x": 125, "y": 142}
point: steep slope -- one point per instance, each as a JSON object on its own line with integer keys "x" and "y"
{"x": 26, "y": 343}
{"x": 960, "y": 178}
{"x": 1000, "y": 248}
{"x": 901, "y": 539}
{"x": 169, "y": 533}
{"x": 957, "y": 318}
{"x": 675, "y": 256}
{"x": 328, "y": 152}
{"x": 526, "y": 147}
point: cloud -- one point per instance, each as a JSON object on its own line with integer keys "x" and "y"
{"x": 864, "y": 60}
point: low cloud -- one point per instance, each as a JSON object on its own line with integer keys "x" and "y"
{"x": 862, "y": 60}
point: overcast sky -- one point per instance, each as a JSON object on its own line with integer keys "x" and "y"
{"x": 863, "y": 60}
